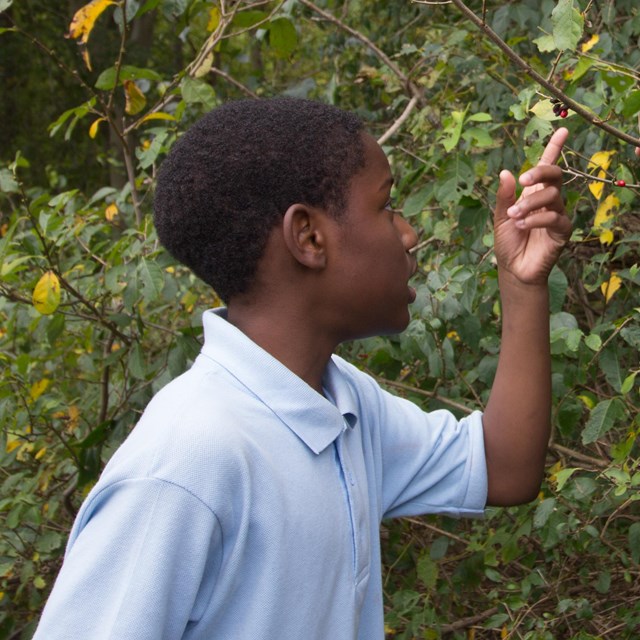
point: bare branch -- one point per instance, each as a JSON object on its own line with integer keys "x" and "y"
{"x": 532, "y": 73}
{"x": 399, "y": 122}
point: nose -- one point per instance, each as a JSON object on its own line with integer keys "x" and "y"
{"x": 408, "y": 234}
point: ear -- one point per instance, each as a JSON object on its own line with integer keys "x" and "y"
{"x": 304, "y": 232}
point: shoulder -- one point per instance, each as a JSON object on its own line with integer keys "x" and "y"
{"x": 195, "y": 432}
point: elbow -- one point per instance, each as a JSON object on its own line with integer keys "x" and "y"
{"x": 513, "y": 494}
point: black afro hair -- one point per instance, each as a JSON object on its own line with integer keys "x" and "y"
{"x": 230, "y": 178}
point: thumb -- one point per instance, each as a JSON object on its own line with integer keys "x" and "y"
{"x": 506, "y": 195}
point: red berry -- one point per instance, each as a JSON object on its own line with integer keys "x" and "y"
{"x": 564, "y": 113}
{"x": 621, "y": 183}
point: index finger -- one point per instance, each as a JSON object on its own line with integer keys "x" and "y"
{"x": 553, "y": 149}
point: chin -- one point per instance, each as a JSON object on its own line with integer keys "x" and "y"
{"x": 398, "y": 325}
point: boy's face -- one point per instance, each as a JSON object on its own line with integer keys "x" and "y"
{"x": 370, "y": 264}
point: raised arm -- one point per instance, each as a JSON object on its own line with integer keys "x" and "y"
{"x": 529, "y": 236}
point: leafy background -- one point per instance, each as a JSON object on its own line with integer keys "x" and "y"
{"x": 95, "y": 317}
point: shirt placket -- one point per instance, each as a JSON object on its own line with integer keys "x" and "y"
{"x": 358, "y": 509}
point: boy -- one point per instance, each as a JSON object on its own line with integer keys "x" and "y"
{"x": 246, "y": 503}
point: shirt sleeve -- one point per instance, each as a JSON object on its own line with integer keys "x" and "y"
{"x": 430, "y": 462}
{"x": 140, "y": 564}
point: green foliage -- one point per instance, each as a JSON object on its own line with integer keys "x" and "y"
{"x": 76, "y": 186}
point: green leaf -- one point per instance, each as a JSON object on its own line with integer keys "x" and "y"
{"x": 631, "y": 104}
{"x": 416, "y": 201}
{"x": 583, "y": 65}
{"x": 137, "y": 367}
{"x": 11, "y": 265}
{"x": 8, "y": 183}
{"x": 196, "y": 91}
{"x": 453, "y": 129}
{"x": 545, "y": 43}
{"x": 568, "y": 24}
{"x": 49, "y": 541}
{"x": 283, "y": 37}
{"x": 543, "y": 512}
{"x": 439, "y": 548}
{"x": 609, "y": 362}
{"x": 593, "y": 341}
{"x": 427, "y": 571}
{"x": 456, "y": 180}
{"x": 602, "y": 418}
{"x": 107, "y": 79}
{"x": 39, "y": 583}
{"x": 621, "y": 83}
{"x": 562, "y": 476}
{"x": 558, "y": 285}
{"x": 628, "y": 383}
{"x": 247, "y": 19}
{"x": 152, "y": 278}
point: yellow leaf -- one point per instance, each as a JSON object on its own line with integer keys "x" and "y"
{"x": 85, "y": 18}
{"x": 74, "y": 418}
{"x": 504, "y": 632}
{"x": 600, "y": 160}
{"x": 46, "y": 294}
{"x": 587, "y": 401}
{"x": 590, "y": 43}
{"x": 38, "y": 388}
{"x": 135, "y": 100}
{"x": 158, "y": 115}
{"x": 204, "y": 67}
{"x": 84, "y": 52}
{"x": 11, "y": 445}
{"x": 214, "y": 19}
{"x": 93, "y": 129}
{"x": 596, "y": 187}
{"x": 40, "y": 453}
{"x": 606, "y": 236}
{"x": 111, "y": 212}
{"x": 606, "y": 210}
{"x": 610, "y": 287}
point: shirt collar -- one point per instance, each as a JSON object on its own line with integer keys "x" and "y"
{"x": 313, "y": 418}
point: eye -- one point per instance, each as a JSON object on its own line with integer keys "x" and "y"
{"x": 390, "y": 206}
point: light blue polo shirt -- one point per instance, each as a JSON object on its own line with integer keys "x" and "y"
{"x": 246, "y": 506}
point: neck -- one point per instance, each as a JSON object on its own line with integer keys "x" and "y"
{"x": 289, "y": 336}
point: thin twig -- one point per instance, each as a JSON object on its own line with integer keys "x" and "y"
{"x": 423, "y": 392}
{"x": 399, "y": 122}
{"x": 532, "y": 73}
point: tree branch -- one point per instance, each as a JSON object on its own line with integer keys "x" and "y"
{"x": 532, "y": 73}
{"x": 416, "y": 94}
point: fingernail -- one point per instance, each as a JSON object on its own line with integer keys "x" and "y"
{"x": 521, "y": 224}
{"x": 513, "y": 211}
{"x": 525, "y": 177}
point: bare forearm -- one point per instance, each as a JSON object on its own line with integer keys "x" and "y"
{"x": 517, "y": 417}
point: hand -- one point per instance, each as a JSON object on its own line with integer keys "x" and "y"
{"x": 529, "y": 234}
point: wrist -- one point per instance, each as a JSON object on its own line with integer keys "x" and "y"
{"x": 512, "y": 288}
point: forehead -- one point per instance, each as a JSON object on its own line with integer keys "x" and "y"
{"x": 371, "y": 185}
{"x": 376, "y": 164}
